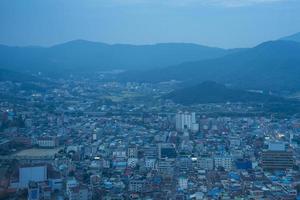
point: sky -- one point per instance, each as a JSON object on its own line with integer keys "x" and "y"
{"x": 220, "y": 23}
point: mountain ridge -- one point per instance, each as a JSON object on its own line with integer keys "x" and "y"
{"x": 82, "y": 55}
{"x": 271, "y": 65}
{"x": 294, "y": 37}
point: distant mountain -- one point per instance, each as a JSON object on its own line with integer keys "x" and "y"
{"x": 295, "y": 37}
{"x": 212, "y": 92}
{"x": 85, "y": 56}
{"x": 271, "y": 65}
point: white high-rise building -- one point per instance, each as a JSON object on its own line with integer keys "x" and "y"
{"x": 183, "y": 183}
{"x": 186, "y": 120}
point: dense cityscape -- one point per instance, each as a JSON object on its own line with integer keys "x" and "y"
{"x": 81, "y": 139}
{"x": 149, "y": 100}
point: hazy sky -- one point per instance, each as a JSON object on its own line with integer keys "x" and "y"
{"x": 222, "y": 23}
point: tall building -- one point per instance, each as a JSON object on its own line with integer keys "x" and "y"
{"x": 167, "y": 151}
{"x": 136, "y": 185}
{"x": 132, "y": 151}
{"x": 206, "y": 163}
{"x": 150, "y": 151}
{"x": 277, "y": 157}
{"x": 33, "y": 191}
{"x": 223, "y": 161}
{"x": 183, "y": 183}
{"x": 76, "y": 191}
{"x": 186, "y": 120}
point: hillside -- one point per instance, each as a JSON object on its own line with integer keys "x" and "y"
{"x": 272, "y": 65}
{"x": 212, "y": 92}
{"x": 24, "y": 81}
{"x": 7, "y": 75}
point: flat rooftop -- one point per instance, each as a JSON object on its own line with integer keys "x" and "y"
{"x": 34, "y": 152}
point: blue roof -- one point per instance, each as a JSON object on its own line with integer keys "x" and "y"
{"x": 234, "y": 176}
{"x": 108, "y": 185}
{"x": 214, "y": 192}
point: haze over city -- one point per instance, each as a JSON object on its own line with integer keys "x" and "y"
{"x": 221, "y": 23}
